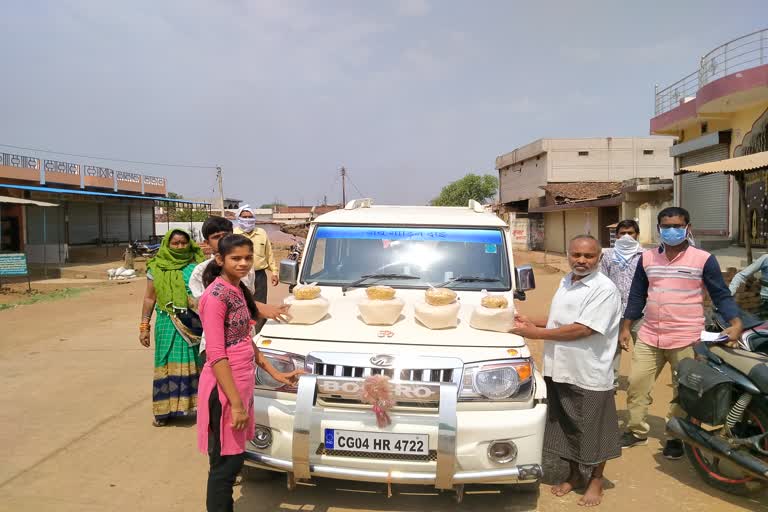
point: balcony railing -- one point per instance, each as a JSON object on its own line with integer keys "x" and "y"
{"x": 736, "y": 55}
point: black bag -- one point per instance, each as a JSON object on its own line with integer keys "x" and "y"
{"x": 703, "y": 392}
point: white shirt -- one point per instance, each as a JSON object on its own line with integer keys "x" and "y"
{"x": 595, "y": 302}
{"x": 197, "y": 287}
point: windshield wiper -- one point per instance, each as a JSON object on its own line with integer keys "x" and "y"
{"x": 469, "y": 279}
{"x": 376, "y": 278}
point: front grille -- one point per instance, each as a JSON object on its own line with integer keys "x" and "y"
{"x": 336, "y": 370}
{"x": 431, "y": 457}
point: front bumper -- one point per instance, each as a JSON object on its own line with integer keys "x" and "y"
{"x": 459, "y": 438}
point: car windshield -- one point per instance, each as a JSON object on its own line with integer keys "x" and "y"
{"x": 340, "y": 255}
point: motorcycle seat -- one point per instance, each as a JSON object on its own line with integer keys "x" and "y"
{"x": 754, "y": 366}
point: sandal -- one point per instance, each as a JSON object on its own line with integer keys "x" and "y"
{"x": 158, "y": 423}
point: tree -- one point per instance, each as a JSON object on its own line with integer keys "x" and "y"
{"x": 272, "y": 206}
{"x": 184, "y": 213}
{"x": 188, "y": 215}
{"x": 471, "y": 186}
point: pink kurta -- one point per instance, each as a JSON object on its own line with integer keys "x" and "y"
{"x": 227, "y": 325}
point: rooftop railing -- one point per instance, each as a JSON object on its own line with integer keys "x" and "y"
{"x": 736, "y": 55}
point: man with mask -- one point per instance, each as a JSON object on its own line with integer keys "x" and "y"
{"x": 619, "y": 265}
{"x": 669, "y": 284}
{"x": 263, "y": 257}
{"x": 580, "y": 338}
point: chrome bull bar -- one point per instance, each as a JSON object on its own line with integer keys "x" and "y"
{"x": 445, "y": 476}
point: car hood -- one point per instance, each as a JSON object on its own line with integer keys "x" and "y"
{"x": 343, "y": 324}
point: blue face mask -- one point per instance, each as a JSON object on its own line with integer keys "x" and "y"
{"x": 673, "y": 236}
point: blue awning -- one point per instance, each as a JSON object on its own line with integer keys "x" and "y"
{"x": 102, "y": 194}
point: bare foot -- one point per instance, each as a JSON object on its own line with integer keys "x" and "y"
{"x": 594, "y": 494}
{"x": 564, "y": 488}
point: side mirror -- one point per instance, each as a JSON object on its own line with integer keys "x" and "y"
{"x": 524, "y": 281}
{"x": 289, "y": 272}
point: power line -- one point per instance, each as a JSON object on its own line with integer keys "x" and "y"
{"x": 353, "y": 184}
{"x": 139, "y": 162}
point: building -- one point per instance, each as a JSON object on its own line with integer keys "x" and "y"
{"x": 91, "y": 210}
{"x": 718, "y": 113}
{"x": 298, "y": 214}
{"x": 554, "y": 189}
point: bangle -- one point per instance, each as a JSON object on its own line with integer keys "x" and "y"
{"x": 144, "y": 327}
{"x": 146, "y": 317}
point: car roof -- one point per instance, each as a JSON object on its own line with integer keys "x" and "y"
{"x": 411, "y": 216}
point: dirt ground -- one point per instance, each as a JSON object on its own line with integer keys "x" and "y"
{"x": 75, "y": 430}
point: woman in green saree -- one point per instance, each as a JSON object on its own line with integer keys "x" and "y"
{"x": 177, "y": 364}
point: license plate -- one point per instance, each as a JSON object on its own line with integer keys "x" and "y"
{"x": 376, "y": 442}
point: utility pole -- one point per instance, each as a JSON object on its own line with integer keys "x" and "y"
{"x": 220, "y": 181}
{"x": 343, "y": 187}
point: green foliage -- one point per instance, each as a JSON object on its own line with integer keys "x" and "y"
{"x": 182, "y": 213}
{"x": 272, "y": 205}
{"x": 471, "y": 186}
{"x": 187, "y": 215}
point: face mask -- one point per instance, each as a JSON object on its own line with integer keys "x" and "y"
{"x": 625, "y": 248}
{"x": 247, "y": 225}
{"x": 673, "y": 236}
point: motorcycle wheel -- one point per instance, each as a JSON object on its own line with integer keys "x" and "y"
{"x": 721, "y": 473}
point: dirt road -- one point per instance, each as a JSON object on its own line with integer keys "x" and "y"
{"x": 75, "y": 431}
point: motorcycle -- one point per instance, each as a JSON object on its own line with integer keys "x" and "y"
{"x": 724, "y": 391}
{"x": 139, "y": 248}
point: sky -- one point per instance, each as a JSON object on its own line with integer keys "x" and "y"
{"x": 407, "y": 95}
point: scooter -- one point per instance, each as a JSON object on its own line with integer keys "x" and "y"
{"x": 724, "y": 391}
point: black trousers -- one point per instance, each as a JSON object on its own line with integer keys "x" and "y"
{"x": 261, "y": 286}
{"x": 224, "y": 468}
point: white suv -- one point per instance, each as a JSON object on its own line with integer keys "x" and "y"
{"x": 470, "y": 404}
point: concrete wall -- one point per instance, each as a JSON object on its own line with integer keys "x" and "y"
{"x": 609, "y": 159}
{"x": 581, "y": 222}
{"x": 526, "y": 169}
{"x": 554, "y": 232}
{"x": 519, "y": 233}
{"x": 523, "y": 180}
{"x": 644, "y": 207}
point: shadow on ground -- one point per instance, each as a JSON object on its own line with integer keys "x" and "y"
{"x": 325, "y": 495}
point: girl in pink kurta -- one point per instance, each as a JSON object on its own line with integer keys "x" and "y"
{"x": 225, "y": 392}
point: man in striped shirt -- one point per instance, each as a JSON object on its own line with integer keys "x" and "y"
{"x": 669, "y": 284}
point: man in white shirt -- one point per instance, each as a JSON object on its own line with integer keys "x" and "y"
{"x": 214, "y": 229}
{"x": 581, "y": 336}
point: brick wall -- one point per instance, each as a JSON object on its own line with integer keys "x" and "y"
{"x": 747, "y": 297}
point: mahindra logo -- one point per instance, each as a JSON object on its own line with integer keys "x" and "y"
{"x": 383, "y": 360}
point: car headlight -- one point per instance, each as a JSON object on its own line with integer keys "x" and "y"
{"x": 497, "y": 380}
{"x": 284, "y": 362}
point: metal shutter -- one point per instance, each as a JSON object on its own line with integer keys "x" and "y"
{"x": 83, "y": 223}
{"x": 706, "y": 196}
{"x": 147, "y": 220}
{"x": 115, "y": 222}
{"x": 54, "y": 225}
